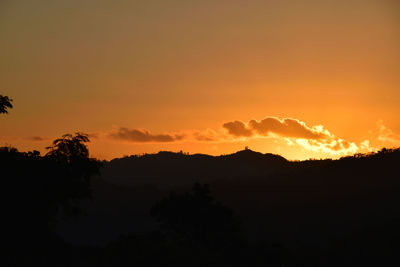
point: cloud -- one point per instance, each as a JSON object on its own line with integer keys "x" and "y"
{"x": 294, "y": 131}
{"x": 42, "y": 139}
{"x": 208, "y": 135}
{"x": 386, "y": 135}
{"x": 288, "y": 128}
{"x": 366, "y": 146}
{"x": 238, "y": 129}
{"x": 143, "y": 136}
{"x": 273, "y": 126}
{"x": 37, "y": 138}
{"x": 329, "y": 146}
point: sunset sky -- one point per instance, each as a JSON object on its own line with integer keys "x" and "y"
{"x": 303, "y": 79}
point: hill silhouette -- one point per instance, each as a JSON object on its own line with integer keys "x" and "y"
{"x": 167, "y": 169}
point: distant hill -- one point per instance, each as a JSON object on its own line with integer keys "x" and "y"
{"x": 166, "y": 169}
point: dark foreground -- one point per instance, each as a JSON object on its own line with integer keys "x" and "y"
{"x": 172, "y": 209}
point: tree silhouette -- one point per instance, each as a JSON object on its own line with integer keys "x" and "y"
{"x": 72, "y": 157}
{"x": 40, "y": 190}
{"x": 5, "y": 103}
{"x": 195, "y": 219}
{"x": 69, "y": 147}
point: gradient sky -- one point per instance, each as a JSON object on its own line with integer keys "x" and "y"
{"x": 144, "y": 76}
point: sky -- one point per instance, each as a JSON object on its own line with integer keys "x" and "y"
{"x": 303, "y": 79}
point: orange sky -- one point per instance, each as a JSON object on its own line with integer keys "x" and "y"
{"x": 144, "y": 76}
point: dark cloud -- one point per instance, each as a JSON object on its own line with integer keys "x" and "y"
{"x": 238, "y": 129}
{"x": 143, "y": 136}
{"x": 37, "y": 139}
{"x": 271, "y": 125}
{"x": 286, "y": 128}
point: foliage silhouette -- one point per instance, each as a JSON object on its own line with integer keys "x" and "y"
{"x": 72, "y": 155}
{"x": 40, "y": 190}
{"x": 195, "y": 219}
{"x": 5, "y": 103}
{"x": 69, "y": 147}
